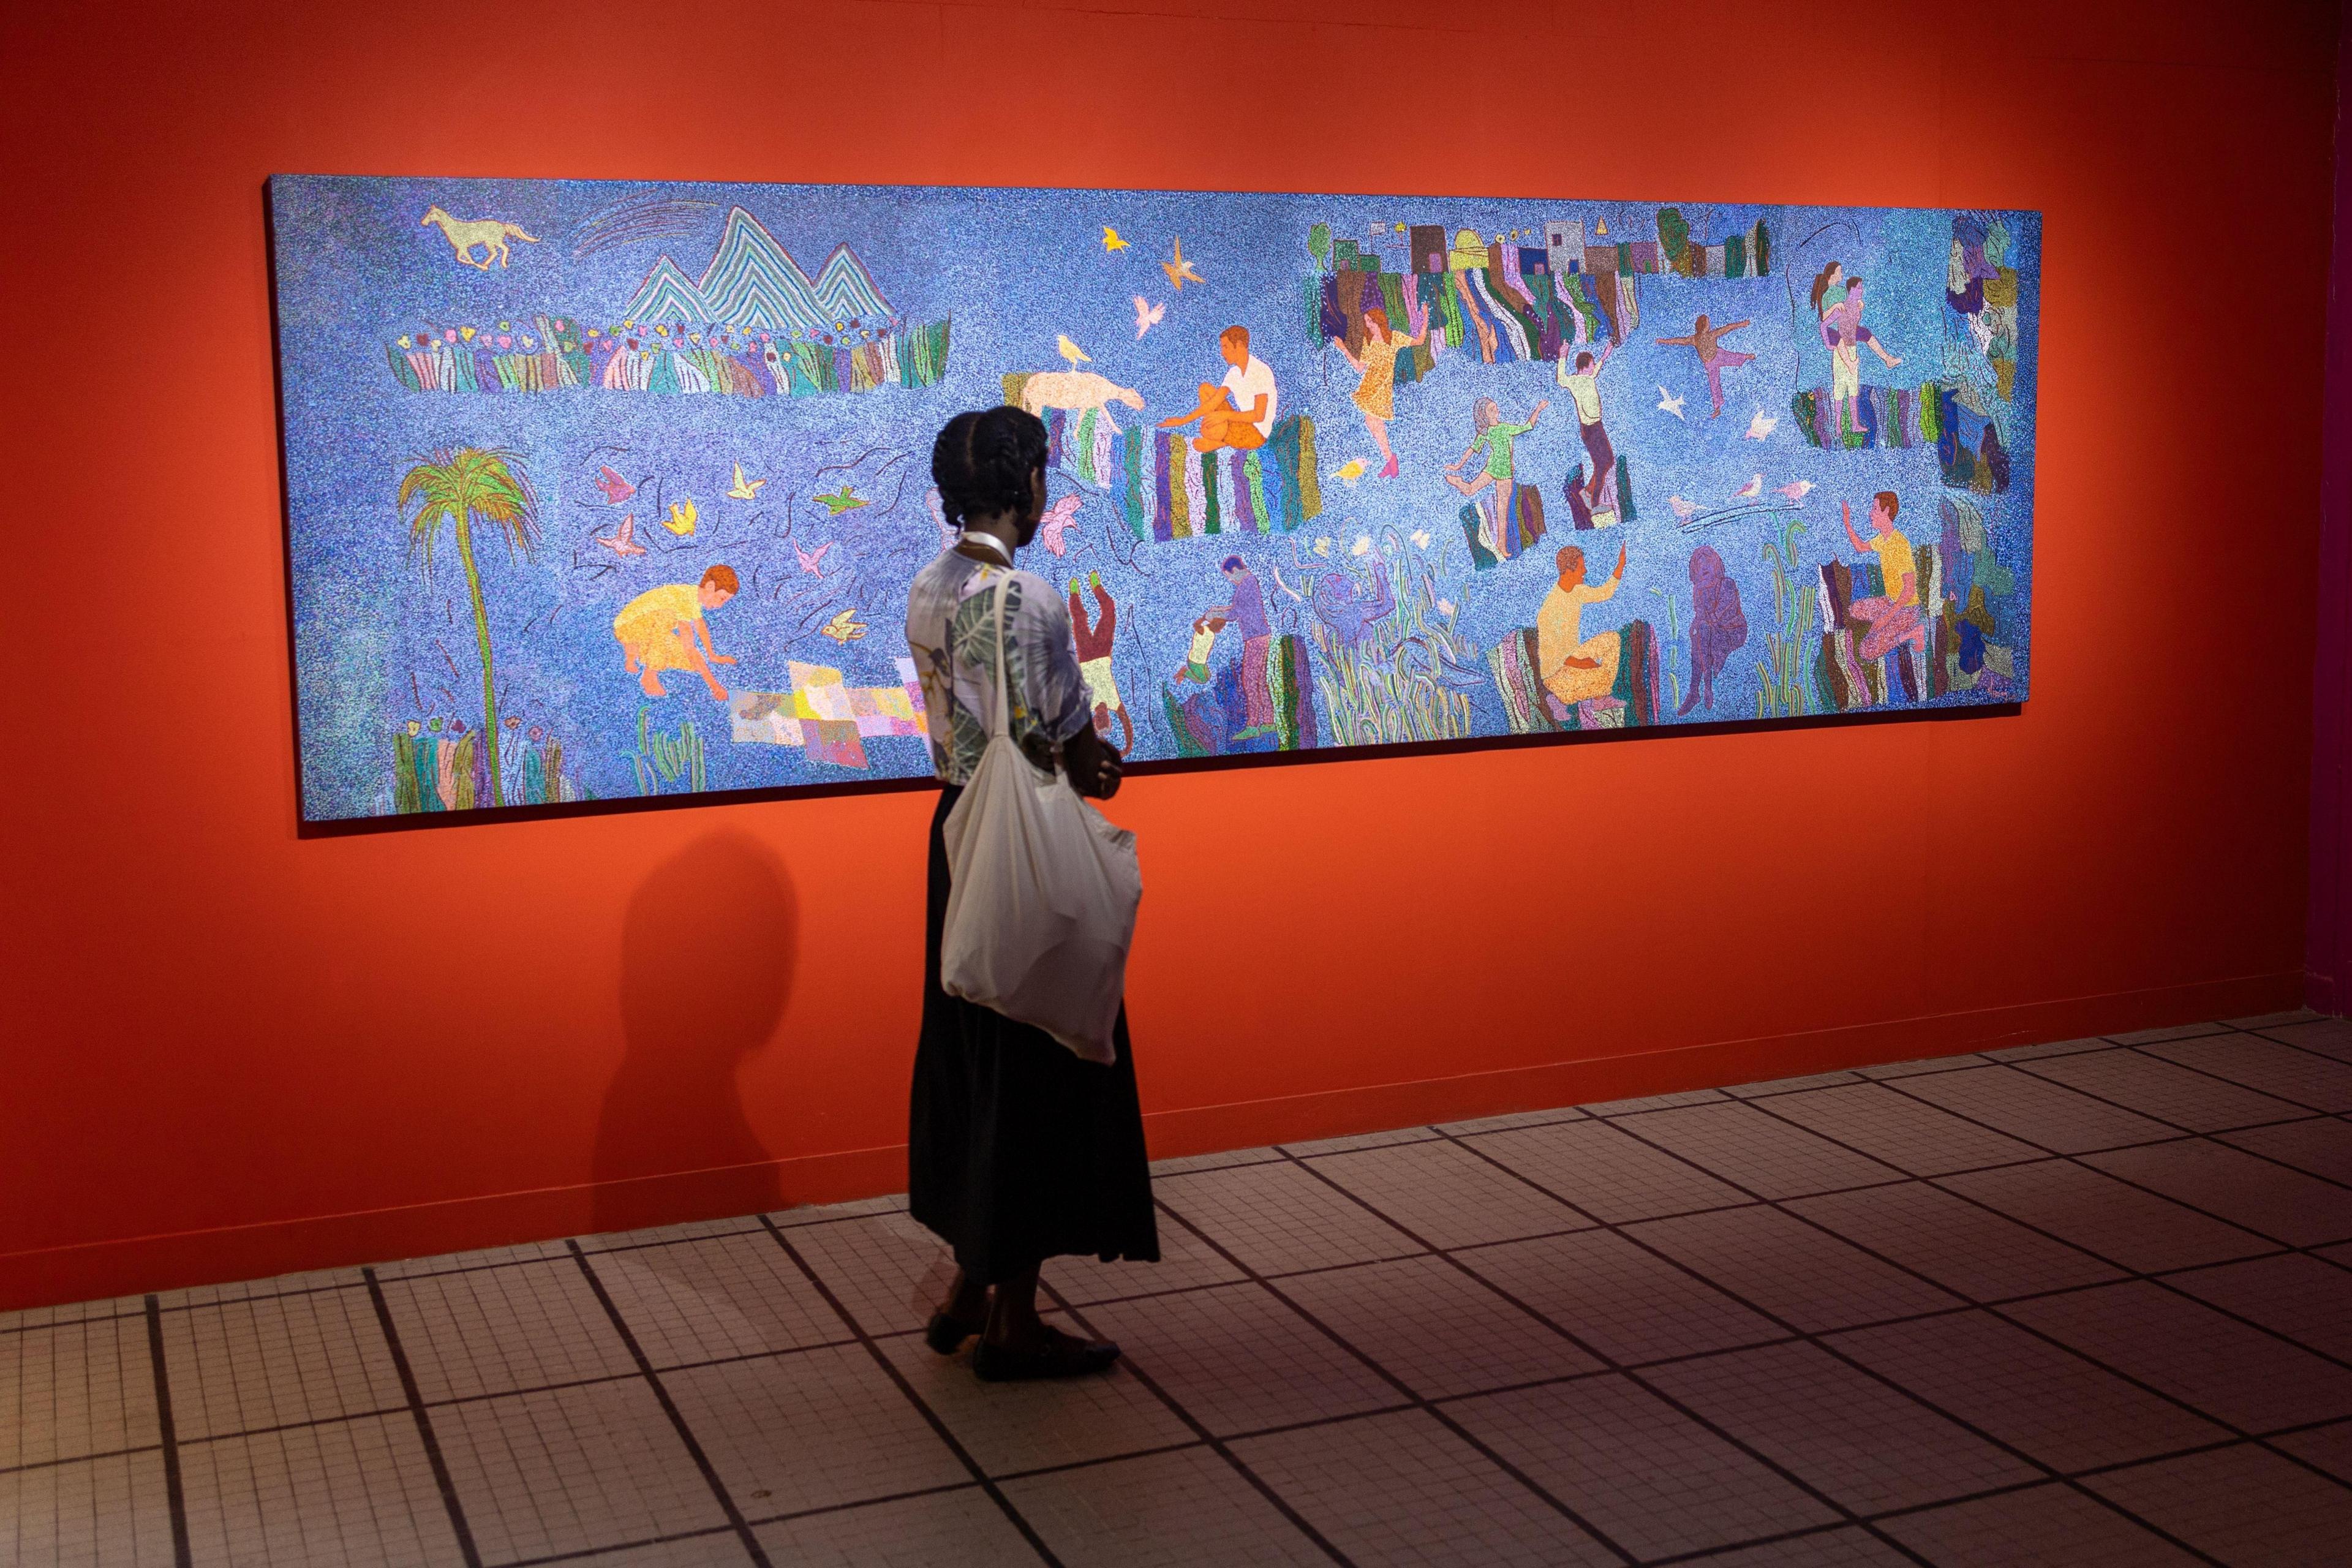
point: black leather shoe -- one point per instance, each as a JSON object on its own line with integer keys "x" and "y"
{"x": 946, "y": 1334}
{"x": 1062, "y": 1356}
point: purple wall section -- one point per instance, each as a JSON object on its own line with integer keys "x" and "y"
{"x": 2328, "y": 953}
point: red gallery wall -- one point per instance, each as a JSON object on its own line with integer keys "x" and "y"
{"x": 227, "y": 1050}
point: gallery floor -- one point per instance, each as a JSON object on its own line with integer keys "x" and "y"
{"x": 2086, "y": 1302}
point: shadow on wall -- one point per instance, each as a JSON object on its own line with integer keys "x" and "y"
{"x": 708, "y": 950}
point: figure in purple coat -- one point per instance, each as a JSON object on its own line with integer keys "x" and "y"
{"x": 1718, "y": 627}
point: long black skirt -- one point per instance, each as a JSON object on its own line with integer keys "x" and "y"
{"x": 1017, "y": 1149}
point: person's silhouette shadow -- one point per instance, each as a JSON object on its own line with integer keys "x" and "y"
{"x": 707, "y": 949}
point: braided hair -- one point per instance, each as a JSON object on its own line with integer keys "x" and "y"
{"x": 983, "y": 463}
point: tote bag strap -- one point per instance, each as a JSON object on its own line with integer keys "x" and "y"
{"x": 1003, "y": 723}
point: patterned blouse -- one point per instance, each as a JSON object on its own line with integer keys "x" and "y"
{"x": 951, "y": 630}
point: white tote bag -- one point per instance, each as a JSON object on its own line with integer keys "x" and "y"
{"x": 1041, "y": 904}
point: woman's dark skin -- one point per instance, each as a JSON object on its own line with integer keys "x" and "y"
{"x": 1092, "y": 764}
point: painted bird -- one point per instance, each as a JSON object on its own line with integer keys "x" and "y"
{"x": 812, "y": 560}
{"x": 1072, "y": 352}
{"x": 1112, "y": 244}
{"x": 1146, "y": 316}
{"x": 843, "y": 499}
{"x": 1053, "y": 528}
{"x": 1762, "y": 425}
{"x": 845, "y": 628}
{"x": 681, "y": 517}
{"x": 624, "y": 543}
{"x": 1180, "y": 270}
{"x": 1796, "y": 489}
{"x": 616, "y": 489}
{"x": 1684, "y": 511}
{"x": 1351, "y": 470}
{"x": 745, "y": 489}
{"x": 1420, "y": 537}
{"x": 1668, "y": 401}
{"x": 1750, "y": 491}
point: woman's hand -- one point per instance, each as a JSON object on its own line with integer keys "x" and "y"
{"x": 1092, "y": 764}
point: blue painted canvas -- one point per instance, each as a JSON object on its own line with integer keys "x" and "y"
{"x": 600, "y": 491}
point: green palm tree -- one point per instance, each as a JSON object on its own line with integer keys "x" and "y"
{"x": 461, "y": 488}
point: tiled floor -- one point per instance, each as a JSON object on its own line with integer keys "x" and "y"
{"x": 2082, "y": 1302}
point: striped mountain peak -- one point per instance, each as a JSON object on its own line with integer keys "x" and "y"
{"x": 753, "y": 281}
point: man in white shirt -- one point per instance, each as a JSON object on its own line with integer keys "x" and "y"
{"x": 1249, "y": 382}
{"x": 1237, "y": 413}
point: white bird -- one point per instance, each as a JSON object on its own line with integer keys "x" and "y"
{"x": 1762, "y": 425}
{"x": 1146, "y": 316}
{"x": 1749, "y": 491}
{"x": 1669, "y": 403}
{"x": 1684, "y": 511}
{"x": 1796, "y": 489}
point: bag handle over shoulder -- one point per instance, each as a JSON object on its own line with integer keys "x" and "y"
{"x": 1002, "y": 722}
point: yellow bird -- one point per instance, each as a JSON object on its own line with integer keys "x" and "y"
{"x": 1351, "y": 470}
{"x": 680, "y": 519}
{"x": 845, "y": 628}
{"x": 1179, "y": 270}
{"x": 745, "y": 489}
{"x": 1111, "y": 242}
{"x": 1072, "y": 352}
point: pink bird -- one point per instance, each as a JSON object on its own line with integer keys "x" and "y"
{"x": 624, "y": 543}
{"x": 1796, "y": 490}
{"x": 811, "y": 559}
{"x": 1057, "y": 522}
{"x": 616, "y": 489}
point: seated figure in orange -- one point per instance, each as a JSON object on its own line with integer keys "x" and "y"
{"x": 1228, "y": 421}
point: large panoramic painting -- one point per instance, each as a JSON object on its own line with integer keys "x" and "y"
{"x": 602, "y": 490}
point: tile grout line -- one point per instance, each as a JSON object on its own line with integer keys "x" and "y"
{"x": 82, "y": 1458}
{"x": 755, "y": 1520}
{"x": 1609, "y": 1362}
{"x": 726, "y": 1499}
{"x": 923, "y": 1406}
{"x": 2303, "y": 1112}
{"x": 1215, "y": 1443}
{"x": 1414, "y": 1399}
{"x": 167, "y": 1438}
{"x": 1817, "y": 1342}
{"x": 2131, "y": 1276}
{"x": 434, "y": 1458}
{"x": 1821, "y": 1343}
{"x": 2162, "y": 1280}
{"x": 2290, "y": 1045}
{"x": 2149, "y": 1052}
